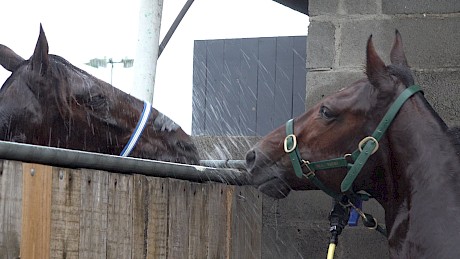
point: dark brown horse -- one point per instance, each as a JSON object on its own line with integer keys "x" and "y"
{"x": 414, "y": 173}
{"x": 48, "y": 101}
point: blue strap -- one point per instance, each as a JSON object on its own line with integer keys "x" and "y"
{"x": 138, "y": 130}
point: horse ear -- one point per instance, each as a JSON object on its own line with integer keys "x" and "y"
{"x": 40, "y": 60}
{"x": 397, "y": 55}
{"x": 8, "y": 59}
{"x": 376, "y": 70}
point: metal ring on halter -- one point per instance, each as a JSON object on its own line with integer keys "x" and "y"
{"x": 363, "y": 142}
{"x": 348, "y": 157}
{"x": 294, "y": 143}
{"x": 376, "y": 224}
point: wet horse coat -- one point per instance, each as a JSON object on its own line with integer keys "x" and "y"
{"x": 414, "y": 175}
{"x": 48, "y": 101}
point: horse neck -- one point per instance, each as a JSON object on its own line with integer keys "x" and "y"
{"x": 422, "y": 178}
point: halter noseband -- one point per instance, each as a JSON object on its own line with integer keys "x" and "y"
{"x": 355, "y": 161}
{"x": 138, "y": 130}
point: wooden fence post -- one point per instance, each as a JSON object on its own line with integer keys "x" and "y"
{"x": 36, "y": 211}
{"x": 10, "y": 208}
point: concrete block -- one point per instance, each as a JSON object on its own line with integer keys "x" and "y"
{"x": 361, "y": 6}
{"x": 323, "y": 7}
{"x": 313, "y": 242}
{"x": 354, "y": 36}
{"x": 293, "y": 242}
{"x": 426, "y": 6}
{"x": 433, "y": 47}
{"x": 361, "y": 243}
{"x": 298, "y": 227}
{"x": 442, "y": 90}
{"x": 320, "y": 45}
{"x": 302, "y": 208}
{"x": 323, "y": 83}
{"x": 296, "y": 209}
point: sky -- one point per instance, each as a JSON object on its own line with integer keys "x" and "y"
{"x": 86, "y": 29}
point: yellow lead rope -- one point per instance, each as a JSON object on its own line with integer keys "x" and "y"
{"x": 330, "y": 251}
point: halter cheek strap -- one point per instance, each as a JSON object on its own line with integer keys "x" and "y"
{"x": 138, "y": 130}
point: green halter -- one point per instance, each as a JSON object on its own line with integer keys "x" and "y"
{"x": 355, "y": 161}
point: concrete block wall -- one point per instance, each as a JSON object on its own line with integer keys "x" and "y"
{"x": 339, "y": 30}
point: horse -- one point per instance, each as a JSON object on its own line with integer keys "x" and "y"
{"x": 378, "y": 136}
{"x": 50, "y": 102}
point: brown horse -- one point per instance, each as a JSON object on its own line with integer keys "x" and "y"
{"x": 414, "y": 173}
{"x": 48, "y": 101}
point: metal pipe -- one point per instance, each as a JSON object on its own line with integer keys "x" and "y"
{"x": 174, "y": 26}
{"x": 235, "y": 164}
{"x": 81, "y": 159}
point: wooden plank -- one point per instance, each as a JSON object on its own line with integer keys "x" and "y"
{"x": 119, "y": 216}
{"x": 157, "y": 217}
{"x": 179, "y": 212}
{"x": 93, "y": 214}
{"x": 10, "y": 208}
{"x": 65, "y": 209}
{"x": 220, "y": 197}
{"x": 214, "y": 95}
{"x": 140, "y": 216}
{"x": 198, "y": 221}
{"x": 246, "y": 223}
{"x": 199, "y": 88}
{"x": 36, "y": 211}
{"x": 299, "y": 79}
{"x": 231, "y": 75}
{"x": 266, "y": 85}
{"x": 283, "y": 81}
{"x": 248, "y": 84}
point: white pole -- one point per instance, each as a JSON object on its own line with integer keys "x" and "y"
{"x": 145, "y": 62}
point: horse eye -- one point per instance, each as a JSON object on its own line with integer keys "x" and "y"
{"x": 326, "y": 113}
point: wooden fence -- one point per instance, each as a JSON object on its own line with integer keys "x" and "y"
{"x": 50, "y": 212}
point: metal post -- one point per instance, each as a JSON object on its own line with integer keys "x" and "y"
{"x": 150, "y": 12}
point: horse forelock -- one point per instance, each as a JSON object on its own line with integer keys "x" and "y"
{"x": 61, "y": 70}
{"x": 73, "y": 81}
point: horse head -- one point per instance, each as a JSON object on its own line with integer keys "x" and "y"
{"x": 333, "y": 128}
{"x": 379, "y": 136}
{"x": 48, "y": 101}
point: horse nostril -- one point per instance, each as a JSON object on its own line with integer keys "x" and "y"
{"x": 250, "y": 158}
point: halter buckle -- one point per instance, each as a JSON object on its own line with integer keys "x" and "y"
{"x": 294, "y": 143}
{"x": 306, "y": 163}
{"x": 364, "y": 141}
